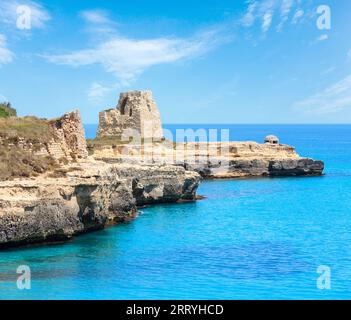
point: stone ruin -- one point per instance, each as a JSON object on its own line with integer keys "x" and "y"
{"x": 69, "y": 138}
{"x": 136, "y": 111}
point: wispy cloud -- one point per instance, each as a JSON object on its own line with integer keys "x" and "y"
{"x": 9, "y": 14}
{"x": 250, "y": 15}
{"x": 127, "y": 58}
{"x": 333, "y": 99}
{"x": 96, "y": 16}
{"x": 297, "y": 16}
{"x": 285, "y": 11}
{"x": 97, "y": 91}
{"x": 328, "y": 71}
{"x": 267, "y": 21}
{"x": 322, "y": 37}
{"x": 268, "y": 12}
{"x": 6, "y": 56}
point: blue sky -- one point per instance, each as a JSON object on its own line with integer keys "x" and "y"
{"x": 205, "y": 61}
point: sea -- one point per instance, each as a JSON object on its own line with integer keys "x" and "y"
{"x": 257, "y": 238}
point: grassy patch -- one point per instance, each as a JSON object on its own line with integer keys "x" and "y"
{"x": 16, "y": 163}
{"x": 30, "y": 128}
{"x": 6, "y": 110}
{"x": 3, "y": 113}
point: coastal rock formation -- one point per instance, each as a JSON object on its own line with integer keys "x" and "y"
{"x": 72, "y": 197}
{"x": 93, "y": 195}
{"x": 135, "y": 114}
{"x": 218, "y": 160}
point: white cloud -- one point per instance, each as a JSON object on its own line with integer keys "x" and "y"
{"x": 38, "y": 15}
{"x": 128, "y": 58}
{"x": 323, "y": 37}
{"x": 267, "y": 21}
{"x": 95, "y": 16}
{"x": 278, "y": 11}
{"x": 328, "y": 71}
{"x": 6, "y": 56}
{"x": 97, "y": 91}
{"x": 264, "y": 11}
{"x": 333, "y": 99}
{"x": 249, "y": 17}
{"x": 285, "y": 10}
{"x": 297, "y": 16}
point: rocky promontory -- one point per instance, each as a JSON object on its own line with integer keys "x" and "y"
{"x": 54, "y": 185}
{"x": 90, "y": 196}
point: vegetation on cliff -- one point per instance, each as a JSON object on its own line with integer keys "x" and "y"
{"x": 6, "y": 110}
{"x": 16, "y": 163}
{"x": 28, "y": 128}
{"x": 19, "y": 139}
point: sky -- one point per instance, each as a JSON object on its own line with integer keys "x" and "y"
{"x": 228, "y": 61}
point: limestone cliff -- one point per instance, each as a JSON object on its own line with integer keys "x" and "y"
{"x": 217, "y": 160}
{"x": 90, "y": 197}
{"x": 93, "y": 191}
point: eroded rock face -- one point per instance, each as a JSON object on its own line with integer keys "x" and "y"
{"x": 216, "y": 160}
{"x": 91, "y": 196}
{"x": 136, "y": 112}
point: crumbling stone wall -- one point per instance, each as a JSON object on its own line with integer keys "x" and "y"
{"x": 136, "y": 110}
{"x": 69, "y": 138}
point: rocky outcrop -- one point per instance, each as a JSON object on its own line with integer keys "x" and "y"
{"x": 136, "y": 115}
{"x": 108, "y": 186}
{"x": 218, "y": 160}
{"x": 93, "y": 195}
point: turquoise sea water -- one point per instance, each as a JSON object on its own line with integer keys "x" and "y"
{"x": 249, "y": 239}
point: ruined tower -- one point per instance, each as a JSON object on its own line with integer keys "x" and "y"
{"x": 136, "y": 110}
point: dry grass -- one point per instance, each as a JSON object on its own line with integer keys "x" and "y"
{"x": 14, "y": 160}
{"x": 16, "y": 163}
{"x": 30, "y": 128}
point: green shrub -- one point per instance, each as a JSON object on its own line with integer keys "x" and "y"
{"x": 6, "y": 110}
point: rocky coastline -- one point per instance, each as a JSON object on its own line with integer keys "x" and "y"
{"x": 90, "y": 197}
{"x": 82, "y": 192}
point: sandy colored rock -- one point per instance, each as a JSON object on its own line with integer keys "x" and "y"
{"x": 136, "y": 112}
{"x": 91, "y": 196}
{"x": 218, "y": 160}
{"x": 69, "y": 135}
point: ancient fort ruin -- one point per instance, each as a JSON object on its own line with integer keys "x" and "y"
{"x": 136, "y": 113}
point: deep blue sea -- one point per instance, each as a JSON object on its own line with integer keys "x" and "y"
{"x": 249, "y": 239}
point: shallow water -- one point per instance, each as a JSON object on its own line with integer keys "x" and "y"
{"x": 249, "y": 239}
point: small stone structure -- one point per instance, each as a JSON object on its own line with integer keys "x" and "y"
{"x": 271, "y": 139}
{"x": 136, "y": 111}
{"x": 69, "y": 137}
